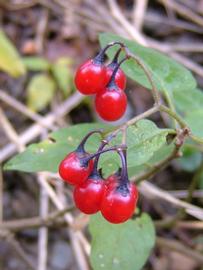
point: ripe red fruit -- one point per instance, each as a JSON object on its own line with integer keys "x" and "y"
{"x": 113, "y": 179}
{"x": 73, "y": 170}
{"x": 77, "y": 165}
{"x": 90, "y": 77}
{"x": 111, "y": 103}
{"x": 120, "y": 78}
{"x": 118, "y": 203}
{"x": 88, "y": 196}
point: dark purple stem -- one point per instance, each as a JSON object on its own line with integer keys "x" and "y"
{"x": 99, "y": 59}
{"x": 81, "y": 146}
{"x": 114, "y": 148}
{"x": 112, "y": 79}
{"x": 114, "y": 62}
{"x": 124, "y": 173}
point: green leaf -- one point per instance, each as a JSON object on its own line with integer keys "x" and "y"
{"x": 158, "y": 156}
{"x": 121, "y": 246}
{"x": 35, "y": 63}
{"x": 190, "y": 160}
{"x": 194, "y": 121}
{"x": 189, "y": 100}
{"x": 143, "y": 139}
{"x": 40, "y": 92}
{"x": 46, "y": 155}
{"x": 63, "y": 75}
{"x": 10, "y": 60}
{"x": 166, "y": 72}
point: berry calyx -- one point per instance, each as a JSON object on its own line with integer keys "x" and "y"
{"x": 119, "y": 201}
{"x": 120, "y": 78}
{"x": 76, "y": 167}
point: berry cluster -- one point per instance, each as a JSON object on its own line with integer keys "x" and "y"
{"x": 115, "y": 197}
{"x": 107, "y": 82}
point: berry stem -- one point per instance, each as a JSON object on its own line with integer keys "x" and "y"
{"x": 80, "y": 148}
{"x": 115, "y": 148}
{"x": 99, "y": 58}
{"x": 112, "y": 79}
{"x": 95, "y": 171}
{"x": 102, "y": 145}
{"x": 114, "y": 62}
{"x": 124, "y": 173}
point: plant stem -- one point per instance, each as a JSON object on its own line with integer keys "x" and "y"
{"x": 157, "y": 167}
{"x": 170, "y": 104}
{"x": 155, "y": 91}
{"x": 181, "y": 135}
{"x": 174, "y": 115}
{"x": 196, "y": 139}
{"x": 141, "y": 116}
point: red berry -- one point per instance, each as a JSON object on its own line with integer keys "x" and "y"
{"x": 88, "y": 196}
{"x": 118, "y": 203}
{"x": 111, "y": 103}
{"x": 73, "y": 171}
{"x": 113, "y": 179}
{"x": 120, "y": 78}
{"x": 90, "y": 77}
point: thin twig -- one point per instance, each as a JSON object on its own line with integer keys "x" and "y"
{"x": 184, "y": 11}
{"x": 35, "y": 130}
{"x": 53, "y": 218}
{"x": 177, "y": 246}
{"x": 74, "y": 236}
{"x": 10, "y": 131}
{"x": 151, "y": 191}
{"x": 1, "y": 195}
{"x": 43, "y": 231}
{"x": 16, "y": 105}
{"x": 8, "y": 237}
{"x": 138, "y": 13}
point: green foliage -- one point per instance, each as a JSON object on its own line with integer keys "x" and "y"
{"x": 35, "y": 63}
{"x": 143, "y": 139}
{"x": 167, "y": 74}
{"x": 62, "y": 73}
{"x": 191, "y": 159}
{"x": 194, "y": 121}
{"x": 122, "y": 246}
{"x": 46, "y": 155}
{"x": 188, "y": 100}
{"x": 157, "y": 157}
{"x": 10, "y": 60}
{"x": 40, "y": 92}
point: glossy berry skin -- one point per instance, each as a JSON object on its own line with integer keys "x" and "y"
{"x": 90, "y": 77}
{"x": 73, "y": 171}
{"x": 118, "y": 204}
{"x": 112, "y": 180}
{"x": 111, "y": 103}
{"x": 120, "y": 78}
{"x": 88, "y": 196}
